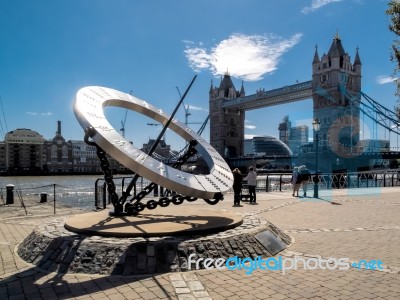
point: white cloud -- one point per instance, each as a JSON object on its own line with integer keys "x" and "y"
{"x": 247, "y": 126}
{"x": 248, "y": 57}
{"x": 192, "y": 107}
{"x": 383, "y": 79}
{"x": 317, "y": 4}
{"x": 41, "y": 114}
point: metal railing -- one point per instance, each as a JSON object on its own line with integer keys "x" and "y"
{"x": 268, "y": 183}
{"x": 384, "y": 178}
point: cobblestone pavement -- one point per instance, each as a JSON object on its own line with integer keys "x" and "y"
{"x": 355, "y": 224}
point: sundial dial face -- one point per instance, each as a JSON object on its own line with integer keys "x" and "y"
{"x": 89, "y": 110}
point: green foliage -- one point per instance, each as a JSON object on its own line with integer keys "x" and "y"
{"x": 393, "y": 12}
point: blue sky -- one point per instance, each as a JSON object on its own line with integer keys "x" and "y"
{"x": 49, "y": 49}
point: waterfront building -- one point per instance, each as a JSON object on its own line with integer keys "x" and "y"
{"x": 22, "y": 151}
{"x": 3, "y": 167}
{"x": 162, "y": 149}
{"x": 293, "y": 137}
{"x": 26, "y": 152}
{"x": 271, "y": 147}
{"x": 266, "y": 145}
{"x": 284, "y": 130}
{"x": 58, "y": 153}
{"x": 84, "y": 158}
{"x": 298, "y": 137}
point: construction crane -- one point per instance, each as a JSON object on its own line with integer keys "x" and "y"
{"x": 187, "y": 113}
{"x": 123, "y": 124}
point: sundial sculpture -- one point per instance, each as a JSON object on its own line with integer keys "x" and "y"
{"x": 88, "y": 108}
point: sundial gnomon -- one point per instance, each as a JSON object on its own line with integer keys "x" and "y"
{"x": 89, "y": 110}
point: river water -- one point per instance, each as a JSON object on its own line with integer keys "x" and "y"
{"x": 77, "y": 191}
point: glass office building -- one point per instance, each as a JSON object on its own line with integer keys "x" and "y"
{"x": 266, "y": 145}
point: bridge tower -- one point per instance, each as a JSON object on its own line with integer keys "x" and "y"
{"x": 333, "y": 74}
{"x": 226, "y": 125}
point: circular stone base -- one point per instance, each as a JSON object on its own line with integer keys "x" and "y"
{"x": 53, "y": 248}
{"x": 167, "y": 221}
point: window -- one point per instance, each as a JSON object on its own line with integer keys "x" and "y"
{"x": 53, "y": 151}
{"x": 65, "y": 151}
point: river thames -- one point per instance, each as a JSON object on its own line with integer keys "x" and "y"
{"x": 77, "y": 191}
{"x": 74, "y": 190}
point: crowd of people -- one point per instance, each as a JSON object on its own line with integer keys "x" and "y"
{"x": 300, "y": 178}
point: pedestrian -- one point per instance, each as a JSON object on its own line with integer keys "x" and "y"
{"x": 305, "y": 178}
{"x": 296, "y": 181}
{"x": 237, "y": 186}
{"x": 251, "y": 179}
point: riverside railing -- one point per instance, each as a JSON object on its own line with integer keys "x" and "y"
{"x": 281, "y": 181}
{"x": 269, "y": 183}
{"x": 31, "y": 196}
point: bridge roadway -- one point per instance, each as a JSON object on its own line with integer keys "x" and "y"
{"x": 286, "y": 94}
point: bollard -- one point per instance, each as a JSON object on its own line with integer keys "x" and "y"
{"x": 9, "y": 194}
{"x": 43, "y": 197}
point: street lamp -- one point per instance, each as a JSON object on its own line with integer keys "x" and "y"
{"x": 316, "y": 125}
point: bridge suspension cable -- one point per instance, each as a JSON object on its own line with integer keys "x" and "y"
{"x": 375, "y": 111}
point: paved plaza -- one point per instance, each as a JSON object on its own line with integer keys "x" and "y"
{"x": 358, "y": 224}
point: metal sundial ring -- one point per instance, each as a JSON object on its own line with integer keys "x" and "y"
{"x": 88, "y": 109}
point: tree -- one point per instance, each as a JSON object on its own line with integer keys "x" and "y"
{"x": 393, "y": 12}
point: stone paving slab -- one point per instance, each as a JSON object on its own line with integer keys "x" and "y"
{"x": 301, "y": 284}
{"x": 352, "y": 212}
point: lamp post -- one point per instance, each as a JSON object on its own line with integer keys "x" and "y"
{"x": 316, "y": 125}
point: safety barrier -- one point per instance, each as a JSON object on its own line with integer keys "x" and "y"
{"x": 271, "y": 182}
{"x": 280, "y": 181}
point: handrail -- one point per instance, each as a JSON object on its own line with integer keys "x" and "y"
{"x": 365, "y": 179}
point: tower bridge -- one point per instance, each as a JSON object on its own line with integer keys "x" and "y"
{"x": 284, "y": 95}
{"x": 338, "y": 103}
